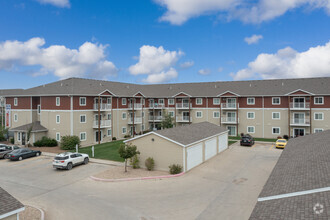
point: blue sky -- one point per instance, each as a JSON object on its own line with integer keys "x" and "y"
{"x": 159, "y": 41}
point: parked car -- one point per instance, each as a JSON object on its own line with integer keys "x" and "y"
{"x": 68, "y": 160}
{"x": 247, "y": 140}
{"x": 5, "y": 150}
{"x": 23, "y": 153}
{"x": 281, "y": 143}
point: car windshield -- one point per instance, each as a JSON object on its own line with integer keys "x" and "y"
{"x": 281, "y": 141}
{"x": 61, "y": 158}
{"x": 16, "y": 151}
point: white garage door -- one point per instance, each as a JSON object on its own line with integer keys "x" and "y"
{"x": 210, "y": 148}
{"x": 223, "y": 142}
{"x": 194, "y": 156}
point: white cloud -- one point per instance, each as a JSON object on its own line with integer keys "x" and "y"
{"x": 220, "y": 69}
{"x": 288, "y": 63}
{"x": 204, "y": 71}
{"x": 179, "y": 11}
{"x": 88, "y": 60}
{"x": 157, "y": 63}
{"x": 254, "y": 39}
{"x": 57, "y": 3}
{"x": 187, "y": 64}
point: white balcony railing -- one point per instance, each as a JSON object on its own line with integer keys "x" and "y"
{"x": 183, "y": 119}
{"x": 155, "y": 118}
{"x": 183, "y": 105}
{"x": 229, "y": 105}
{"x": 137, "y": 120}
{"x": 103, "y": 107}
{"x": 300, "y": 122}
{"x": 229, "y": 120}
{"x": 157, "y": 105}
{"x": 136, "y": 106}
{"x": 299, "y": 105}
{"x": 104, "y": 124}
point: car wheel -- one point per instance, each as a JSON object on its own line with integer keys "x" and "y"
{"x": 20, "y": 158}
{"x": 69, "y": 166}
{"x": 5, "y": 156}
{"x": 86, "y": 160}
{"x": 37, "y": 154}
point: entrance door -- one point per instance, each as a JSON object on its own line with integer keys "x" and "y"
{"x": 299, "y": 132}
{"x": 231, "y": 116}
{"x": 23, "y": 138}
{"x": 185, "y": 116}
{"x": 132, "y": 129}
{"x": 299, "y": 102}
{"x": 231, "y": 103}
{"x": 299, "y": 118}
{"x": 151, "y": 103}
{"x": 97, "y": 136}
{"x": 232, "y": 130}
{"x": 185, "y": 103}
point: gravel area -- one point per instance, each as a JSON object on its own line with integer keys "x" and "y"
{"x": 56, "y": 150}
{"x": 119, "y": 173}
{"x": 30, "y": 213}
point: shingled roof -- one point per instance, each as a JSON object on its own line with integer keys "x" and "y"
{"x": 302, "y": 167}
{"x": 36, "y": 127}
{"x": 9, "y": 204}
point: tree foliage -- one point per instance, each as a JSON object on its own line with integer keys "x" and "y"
{"x": 127, "y": 151}
{"x": 167, "y": 122}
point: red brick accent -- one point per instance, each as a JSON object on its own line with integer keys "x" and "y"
{"x": 284, "y": 102}
{"x": 49, "y": 103}
{"x": 193, "y": 103}
{"x": 89, "y": 103}
{"x": 22, "y": 102}
{"x": 243, "y": 102}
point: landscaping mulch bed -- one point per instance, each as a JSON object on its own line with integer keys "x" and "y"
{"x": 55, "y": 150}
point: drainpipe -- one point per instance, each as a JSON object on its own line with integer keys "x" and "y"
{"x": 237, "y": 115}
{"x": 99, "y": 120}
{"x": 310, "y": 115}
{"x": 133, "y": 103}
{"x": 263, "y": 117}
{"x": 189, "y": 109}
{"x": 289, "y": 117}
{"x": 111, "y": 119}
{"x": 220, "y": 110}
{"x": 175, "y": 111}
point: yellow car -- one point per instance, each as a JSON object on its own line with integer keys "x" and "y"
{"x": 280, "y": 143}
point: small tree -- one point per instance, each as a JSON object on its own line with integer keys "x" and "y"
{"x": 28, "y": 135}
{"x": 167, "y": 121}
{"x": 127, "y": 151}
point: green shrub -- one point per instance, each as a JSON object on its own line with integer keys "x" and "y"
{"x": 127, "y": 136}
{"x": 175, "y": 169}
{"x": 45, "y": 142}
{"x": 135, "y": 162}
{"x": 150, "y": 163}
{"x": 114, "y": 138}
{"x": 146, "y": 131}
{"x": 69, "y": 142}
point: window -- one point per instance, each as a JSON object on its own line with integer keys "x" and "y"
{"x": 250, "y": 115}
{"x": 58, "y": 136}
{"x": 216, "y": 101}
{"x": 123, "y": 101}
{"x": 109, "y": 101}
{"x": 161, "y": 101}
{"x": 318, "y": 100}
{"x": 276, "y": 130}
{"x": 250, "y": 129}
{"x": 171, "y": 101}
{"x": 109, "y": 132}
{"x": 15, "y": 117}
{"x": 82, "y": 101}
{"x": 276, "y": 115}
{"x": 232, "y": 130}
{"x": 38, "y": 109}
{"x": 58, "y": 101}
{"x": 57, "y": 119}
{"x": 83, "y": 136}
{"x": 199, "y": 101}
{"x": 124, "y": 130}
{"x": 199, "y": 115}
{"x": 171, "y": 113}
{"x": 15, "y": 102}
{"x": 317, "y": 130}
{"x": 19, "y": 136}
{"x": 250, "y": 101}
{"x": 142, "y": 114}
{"x": 109, "y": 116}
{"x": 276, "y": 100}
{"x": 82, "y": 118}
{"x": 216, "y": 114}
{"x": 318, "y": 116}
{"x": 124, "y": 115}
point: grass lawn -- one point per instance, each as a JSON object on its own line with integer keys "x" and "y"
{"x": 231, "y": 142}
{"x": 256, "y": 139}
{"x": 106, "y": 151}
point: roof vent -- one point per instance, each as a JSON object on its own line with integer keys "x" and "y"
{"x": 61, "y": 84}
{"x": 215, "y": 86}
{"x": 282, "y": 83}
{"x": 250, "y": 85}
{"x": 127, "y": 86}
{"x": 170, "y": 87}
{"x": 100, "y": 84}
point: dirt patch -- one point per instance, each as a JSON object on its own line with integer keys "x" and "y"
{"x": 119, "y": 173}
{"x": 30, "y": 213}
{"x": 55, "y": 150}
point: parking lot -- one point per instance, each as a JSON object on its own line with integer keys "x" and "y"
{"x": 225, "y": 187}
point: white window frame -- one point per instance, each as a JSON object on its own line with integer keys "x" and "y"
{"x": 251, "y": 98}
{"x": 122, "y": 115}
{"x": 170, "y": 101}
{"x": 82, "y": 98}
{"x": 317, "y": 130}
{"x": 58, "y": 136}
{"x": 279, "y": 130}
{"x": 201, "y": 101}
{"x": 108, "y": 132}
{"x": 214, "y": 103}
{"x": 247, "y": 115}
{"x": 319, "y": 113}
{"x": 279, "y": 100}
{"x": 38, "y": 109}
{"x": 85, "y": 136}
{"x": 109, "y": 102}
{"x": 321, "y": 97}
{"x": 58, "y": 101}
{"x": 197, "y": 114}
{"x": 122, "y": 130}
{"x": 215, "y": 113}
{"x": 59, "y": 119}
{"x": 15, "y": 118}
{"x": 85, "y": 119}
{"x": 123, "y": 101}
{"x": 279, "y": 114}
{"x": 19, "y": 136}
{"x": 254, "y": 129}
{"x": 161, "y": 102}
{"x": 171, "y": 112}
{"x": 235, "y": 129}
{"x": 108, "y": 116}
{"x": 15, "y": 101}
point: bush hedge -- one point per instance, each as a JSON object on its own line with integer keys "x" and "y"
{"x": 175, "y": 169}
{"x": 150, "y": 163}
{"x": 69, "y": 142}
{"x": 45, "y": 142}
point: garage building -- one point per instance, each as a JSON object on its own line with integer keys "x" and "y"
{"x": 187, "y": 146}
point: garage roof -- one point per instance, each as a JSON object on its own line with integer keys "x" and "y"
{"x": 8, "y": 204}
{"x": 187, "y": 135}
{"x": 36, "y": 127}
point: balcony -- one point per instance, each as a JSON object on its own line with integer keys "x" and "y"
{"x": 157, "y": 106}
{"x": 103, "y": 107}
{"x": 183, "y": 119}
{"x": 137, "y": 106}
{"x": 137, "y": 120}
{"x": 104, "y": 124}
{"x": 229, "y": 106}
{"x": 229, "y": 120}
{"x": 183, "y": 105}
{"x": 300, "y": 105}
{"x": 155, "y": 118}
{"x": 300, "y": 122}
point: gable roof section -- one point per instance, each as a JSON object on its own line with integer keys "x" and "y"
{"x": 8, "y": 204}
{"x": 36, "y": 127}
{"x": 140, "y": 94}
{"x": 228, "y": 94}
{"x": 181, "y": 94}
{"x": 299, "y": 92}
{"x": 107, "y": 93}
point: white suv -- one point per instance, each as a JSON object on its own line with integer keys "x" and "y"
{"x": 68, "y": 160}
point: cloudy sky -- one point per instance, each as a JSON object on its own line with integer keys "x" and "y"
{"x": 160, "y": 41}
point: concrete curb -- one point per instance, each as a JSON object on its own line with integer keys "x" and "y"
{"x": 137, "y": 178}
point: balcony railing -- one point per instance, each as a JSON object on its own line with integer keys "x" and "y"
{"x": 103, "y": 107}
{"x": 136, "y": 106}
{"x": 183, "y": 119}
{"x": 229, "y": 105}
{"x": 137, "y": 120}
{"x": 300, "y": 122}
{"x": 299, "y": 105}
{"x": 183, "y": 105}
{"x": 155, "y": 118}
{"x": 104, "y": 124}
{"x": 156, "y": 105}
{"x": 229, "y": 120}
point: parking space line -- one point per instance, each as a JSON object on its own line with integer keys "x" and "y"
{"x": 253, "y": 146}
{"x": 272, "y": 147}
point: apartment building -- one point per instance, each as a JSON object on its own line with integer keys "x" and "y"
{"x": 98, "y": 110}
